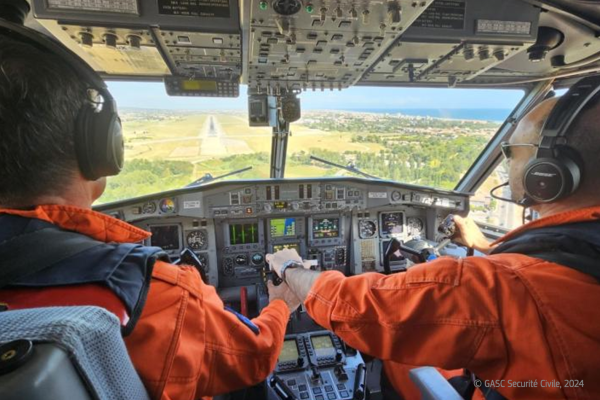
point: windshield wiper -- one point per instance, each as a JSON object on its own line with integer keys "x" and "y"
{"x": 350, "y": 167}
{"x": 209, "y": 178}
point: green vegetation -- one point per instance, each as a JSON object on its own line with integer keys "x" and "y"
{"x": 140, "y": 177}
{"x": 168, "y": 150}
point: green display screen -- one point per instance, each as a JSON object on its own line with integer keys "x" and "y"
{"x": 243, "y": 234}
{"x": 289, "y": 352}
{"x": 283, "y": 227}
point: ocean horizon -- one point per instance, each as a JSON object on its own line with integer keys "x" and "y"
{"x": 479, "y": 114}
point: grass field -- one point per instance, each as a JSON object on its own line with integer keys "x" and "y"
{"x": 187, "y": 136}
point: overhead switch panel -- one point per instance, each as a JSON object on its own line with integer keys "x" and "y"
{"x": 192, "y": 39}
{"x": 455, "y": 41}
{"x": 322, "y": 45}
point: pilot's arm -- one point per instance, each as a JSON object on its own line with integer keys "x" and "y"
{"x": 187, "y": 345}
{"x": 440, "y": 313}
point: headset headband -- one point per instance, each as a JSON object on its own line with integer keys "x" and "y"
{"x": 564, "y": 114}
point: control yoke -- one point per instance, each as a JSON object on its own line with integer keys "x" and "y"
{"x": 419, "y": 251}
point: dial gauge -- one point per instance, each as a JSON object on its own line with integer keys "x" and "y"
{"x": 149, "y": 208}
{"x": 415, "y": 226}
{"x": 396, "y": 196}
{"x": 367, "y": 229}
{"x": 167, "y": 206}
{"x": 196, "y": 240}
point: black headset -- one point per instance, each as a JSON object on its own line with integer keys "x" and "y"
{"x": 98, "y": 138}
{"x": 556, "y": 171}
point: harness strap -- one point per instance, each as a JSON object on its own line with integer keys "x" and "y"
{"x": 33, "y": 252}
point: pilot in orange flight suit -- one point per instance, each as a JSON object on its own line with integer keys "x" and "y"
{"x": 56, "y": 148}
{"x": 526, "y": 326}
{"x": 185, "y": 344}
{"x": 462, "y": 314}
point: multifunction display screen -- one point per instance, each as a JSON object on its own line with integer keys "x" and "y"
{"x": 289, "y": 352}
{"x": 243, "y": 234}
{"x": 326, "y": 228}
{"x": 323, "y": 345}
{"x": 283, "y": 227}
{"x": 166, "y": 237}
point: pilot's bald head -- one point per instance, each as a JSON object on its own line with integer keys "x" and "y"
{"x": 583, "y": 136}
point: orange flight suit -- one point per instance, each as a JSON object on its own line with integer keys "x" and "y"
{"x": 504, "y": 317}
{"x": 185, "y": 345}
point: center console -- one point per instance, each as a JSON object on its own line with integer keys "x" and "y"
{"x": 317, "y": 366}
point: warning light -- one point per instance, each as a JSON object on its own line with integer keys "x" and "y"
{"x": 263, "y": 5}
{"x": 310, "y": 8}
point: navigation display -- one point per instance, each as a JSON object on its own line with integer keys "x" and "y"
{"x": 166, "y": 237}
{"x": 294, "y": 246}
{"x": 289, "y": 352}
{"x": 326, "y": 228}
{"x": 243, "y": 234}
{"x": 283, "y": 227}
{"x": 323, "y": 345}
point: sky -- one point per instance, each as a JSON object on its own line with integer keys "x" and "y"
{"x": 153, "y": 95}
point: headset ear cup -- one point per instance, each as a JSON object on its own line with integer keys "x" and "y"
{"x": 99, "y": 142}
{"x": 82, "y": 142}
{"x": 546, "y": 180}
{"x": 573, "y": 164}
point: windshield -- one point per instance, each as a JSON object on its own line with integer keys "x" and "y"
{"x": 426, "y": 137}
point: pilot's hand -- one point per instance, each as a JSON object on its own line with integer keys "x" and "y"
{"x": 283, "y": 292}
{"x": 277, "y": 260}
{"x": 469, "y": 234}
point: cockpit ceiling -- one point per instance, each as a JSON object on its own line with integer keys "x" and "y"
{"x": 328, "y": 44}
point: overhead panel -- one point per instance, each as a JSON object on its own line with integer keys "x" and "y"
{"x": 196, "y": 39}
{"x": 324, "y": 44}
{"x": 455, "y": 41}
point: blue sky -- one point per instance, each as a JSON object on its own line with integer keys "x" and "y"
{"x": 153, "y": 95}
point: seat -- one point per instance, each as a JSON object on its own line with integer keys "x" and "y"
{"x": 65, "y": 352}
{"x": 433, "y": 385}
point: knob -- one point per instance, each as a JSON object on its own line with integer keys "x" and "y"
{"x": 323, "y": 12}
{"x": 366, "y": 17}
{"x": 134, "y": 41}
{"x": 87, "y": 39}
{"x": 110, "y": 39}
{"x": 295, "y": 206}
{"x": 268, "y": 207}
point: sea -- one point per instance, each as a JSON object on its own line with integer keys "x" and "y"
{"x": 478, "y": 114}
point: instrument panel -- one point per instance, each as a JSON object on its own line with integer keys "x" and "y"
{"x": 340, "y": 223}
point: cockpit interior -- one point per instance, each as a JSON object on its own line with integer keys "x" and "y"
{"x": 220, "y": 189}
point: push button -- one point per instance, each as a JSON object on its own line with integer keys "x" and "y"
{"x": 317, "y": 390}
{"x": 304, "y": 395}
{"x": 329, "y": 388}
